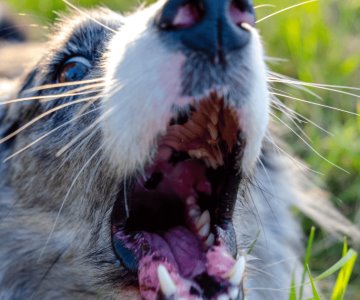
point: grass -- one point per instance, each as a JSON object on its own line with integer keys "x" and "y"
{"x": 345, "y": 267}
{"x": 321, "y": 43}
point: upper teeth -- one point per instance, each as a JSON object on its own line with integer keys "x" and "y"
{"x": 204, "y": 219}
{"x": 167, "y": 285}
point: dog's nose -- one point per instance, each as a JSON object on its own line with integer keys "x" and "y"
{"x": 213, "y": 27}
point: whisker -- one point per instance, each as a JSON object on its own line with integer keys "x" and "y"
{"x": 43, "y": 115}
{"x": 285, "y": 9}
{"x": 294, "y": 122}
{"x": 295, "y": 81}
{"x": 311, "y": 147}
{"x": 66, "y": 197}
{"x": 47, "y": 98}
{"x": 264, "y": 5}
{"x": 313, "y": 85}
{"x": 316, "y": 104}
{"x": 296, "y": 162}
{"x": 87, "y": 15}
{"x": 81, "y": 134}
{"x": 48, "y": 133}
{"x": 302, "y": 118}
{"x": 63, "y": 84}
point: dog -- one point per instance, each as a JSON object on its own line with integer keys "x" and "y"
{"x": 139, "y": 163}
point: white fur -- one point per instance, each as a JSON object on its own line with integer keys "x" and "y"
{"x": 147, "y": 83}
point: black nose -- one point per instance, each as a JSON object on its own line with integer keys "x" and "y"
{"x": 213, "y": 27}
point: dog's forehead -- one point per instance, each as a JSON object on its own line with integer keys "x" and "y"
{"x": 84, "y": 32}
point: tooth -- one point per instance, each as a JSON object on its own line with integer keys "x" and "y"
{"x": 213, "y": 131}
{"x": 213, "y": 163}
{"x": 237, "y": 272}
{"x": 210, "y": 240}
{"x": 167, "y": 285}
{"x": 204, "y": 219}
{"x": 234, "y": 293}
{"x": 192, "y": 153}
{"x": 223, "y": 297}
{"x": 204, "y": 231}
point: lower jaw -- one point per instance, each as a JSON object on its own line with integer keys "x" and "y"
{"x": 197, "y": 273}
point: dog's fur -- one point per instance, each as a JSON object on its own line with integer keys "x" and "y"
{"x": 55, "y": 209}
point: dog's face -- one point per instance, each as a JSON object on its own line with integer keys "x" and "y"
{"x": 135, "y": 172}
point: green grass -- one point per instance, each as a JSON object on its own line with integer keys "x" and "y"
{"x": 344, "y": 265}
{"x": 321, "y": 43}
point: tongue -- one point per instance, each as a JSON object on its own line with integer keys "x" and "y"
{"x": 178, "y": 250}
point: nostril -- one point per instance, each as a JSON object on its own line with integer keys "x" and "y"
{"x": 242, "y": 12}
{"x": 186, "y": 15}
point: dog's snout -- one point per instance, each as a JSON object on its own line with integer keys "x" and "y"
{"x": 213, "y": 27}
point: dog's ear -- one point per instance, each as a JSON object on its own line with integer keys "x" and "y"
{"x": 10, "y": 29}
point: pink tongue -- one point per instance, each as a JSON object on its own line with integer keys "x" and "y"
{"x": 178, "y": 250}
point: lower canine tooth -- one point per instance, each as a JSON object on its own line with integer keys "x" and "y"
{"x": 210, "y": 240}
{"x": 223, "y": 297}
{"x": 205, "y": 230}
{"x": 204, "y": 218}
{"x": 237, "y": 272}
{"x": 167, "y": 285}
{"x": 234, "y": 293}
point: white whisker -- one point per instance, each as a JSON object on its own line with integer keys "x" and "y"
{"x": 48, "y": 133}
{"x": 311, "y": 147}
{"x": 285, "y": 9}
{"x": 66, "y": 197}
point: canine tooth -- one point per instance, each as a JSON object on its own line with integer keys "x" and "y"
{"x": 204, "y": 219}
{"x": 167, "y": 285}
{"x": 213, "y": 131}
{"x": 233, "y": 293}
{"x": 204, "y": 231}
{"x": 237, "y": 272}
{"x": 210, "y": 240}
{"x": 223, "y": 297}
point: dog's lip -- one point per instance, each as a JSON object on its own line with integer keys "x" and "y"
{"x": 142, "y": 251}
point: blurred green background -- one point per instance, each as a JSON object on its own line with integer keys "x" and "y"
{"x": 318, "y": 42}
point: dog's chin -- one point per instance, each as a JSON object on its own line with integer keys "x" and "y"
{"x": 173, "y": 226}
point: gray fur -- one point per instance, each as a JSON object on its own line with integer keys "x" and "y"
{"x": 77, "y": 262}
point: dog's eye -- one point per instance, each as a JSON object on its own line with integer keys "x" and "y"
{"x": 73, "y": 69}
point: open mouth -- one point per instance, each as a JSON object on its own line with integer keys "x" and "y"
{"x": 177, "y": 235}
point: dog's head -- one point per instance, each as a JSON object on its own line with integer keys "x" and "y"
{"x": 131, "y": 141}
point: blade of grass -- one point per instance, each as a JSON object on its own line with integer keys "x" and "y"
{"x": 292, "y": 295}
{"x": 343, "y": 278}
{"x": 307, "y": 260}
{"x": 338, "y": 288}
{"x": 337, "y": 266}
{"x": 315, "y": 293}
